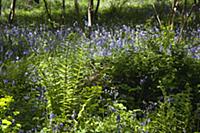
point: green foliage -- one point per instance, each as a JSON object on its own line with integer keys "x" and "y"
{"x": 118, "y": 119}
{"x": 147, "y": 81}
{"x": 64, "y": 74}
{"x": 7, "y": 123}
{"x": 160, "y": 68}
{"x": 173, "y": 114}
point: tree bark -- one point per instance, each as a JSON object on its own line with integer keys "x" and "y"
{"x": 76, "y": 4}
{"x": 12, "y": 11}
{"x": 47, "y": 10}
{"x": 174, "y": 10}
{"x": 90, "y": 13}
{"x": 63, "y": 11}
{"x": 196, "y": 11}
{"x": 90, "y": 16}
{"x": 0, "y": 6}
{"x": 96, "y": 10}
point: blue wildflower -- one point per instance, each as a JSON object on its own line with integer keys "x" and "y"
{"x": 52, "y": 115}
{"x": 73, "y": 115}
{"x": 143, "y": 123}
{"x": 9, "y": 54}
{"x": 61, "y": 125}
{"x": 113, "y": 109}
{"x": 5, "y": 81}
{"x": 25, "y": 52}
{"x": 170, "y": 99}
{"x": 26, "y": 97}
{"x": 21, "y": 131}
{"x": 118, "y": 118}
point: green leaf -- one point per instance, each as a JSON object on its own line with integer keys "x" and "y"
{"x": 6, "y": 122}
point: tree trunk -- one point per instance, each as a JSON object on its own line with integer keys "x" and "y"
{"x": 184, "y": 11}
{"x": 196, "y": 11}
{"x": 47, "y": 10}
{"x": 90, "y": 16}
{"x": 90, "y": 13}
{"x": 78, "y": 14}
{"x": 96, "y": 10}
{"x": 174, "y": 10}
{"x": 0, "y": 6}
{"x": 12, "y": 11}
{"x": 63, "y": 11}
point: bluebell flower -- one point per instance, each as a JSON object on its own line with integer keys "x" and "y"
{"x": 34, "y": 79}
{"x": 1, "y": 49}
{"x": 13, "y": 121}
{"x": 20, "y": 42}
{"x": 148, "y": 120}
{"x": 143, "y": 123}
{"x": 99, "y": 42}
{"x": 55, "y": 129}
{"x": 113, "y": 109}
{"x": 161, "y": 48}
{"x": 73, "y": 115}
{"x": 119, "y": 43}
{"x": 116, "y": 94}
{"x": 142, "y": 81}
{"x": 184, "y": 130}
{"x": 25, "y": 52}
{"x": 34, "y": 130}
{"x": 17, "y": 58}
{"x": 38, "y": 88}
{"x": 5, "y": 81}
{"x": 9, "y": 54}
{"x": 21, "y": 131}
{"x": 61, "y": 125}
{"x": 26, "y": 97}
{"x": 196, "y": 56}
{"x": 118, "y": 118}
{"x": 170, "y": 99}
{"x": 52, "y": 115}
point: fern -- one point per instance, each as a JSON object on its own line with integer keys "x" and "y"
{"x": 63, "y": 72}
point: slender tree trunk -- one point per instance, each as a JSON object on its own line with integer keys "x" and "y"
{"x": 90, "y": 12}
{"x": 90, "y": 15}
{"x": 157, "y": 15}
{"x": 12, "y": 11}
{"x": 185, "y": 22}
{"x": 185, "y": 7}
{"x": 174, "y": 9}
{"x": 196, "y": 12}
{"x": 78, "y": 14}
{"x": 196, "y": 2}
{"x": 0, "y": 6}
{"x": 63, "y": 11}
{"x": 96, "y": 10}
{"x": 184, "y": 11}
{"x": 47, "y": 10}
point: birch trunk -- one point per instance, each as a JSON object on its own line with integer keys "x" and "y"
{"x": 12, "y": 11}
{"x": 90, "y": 13}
